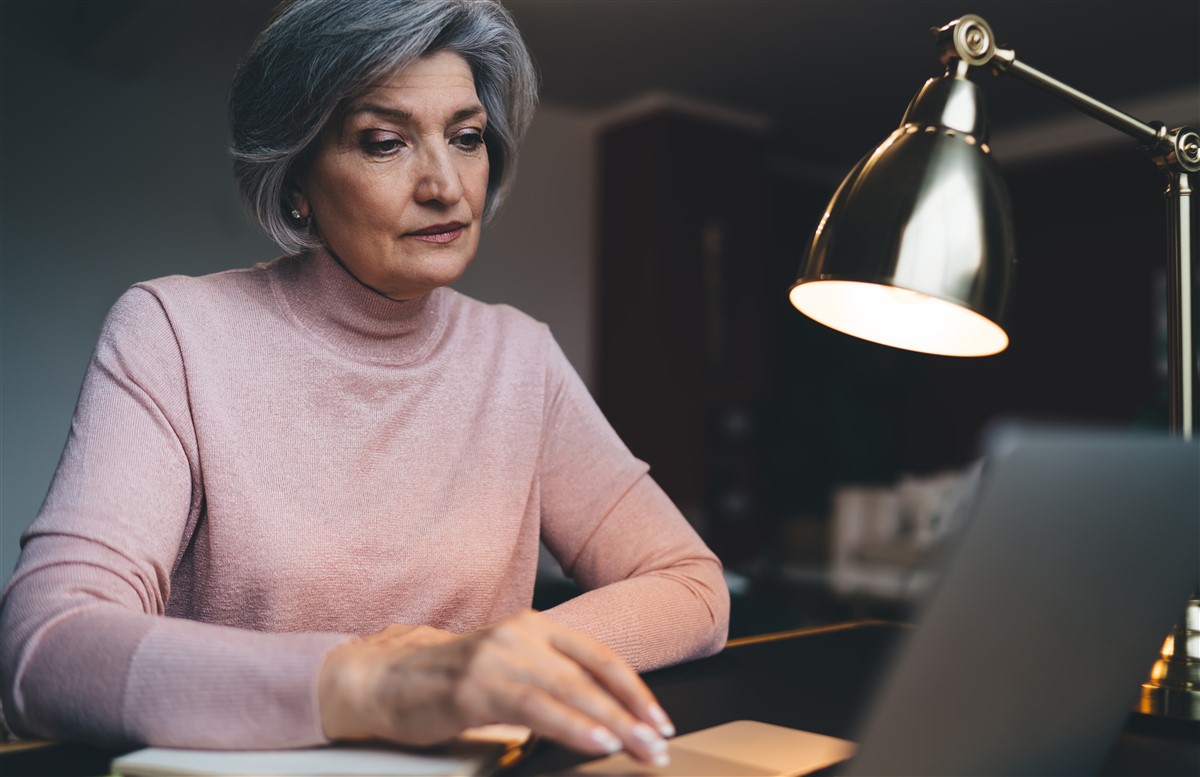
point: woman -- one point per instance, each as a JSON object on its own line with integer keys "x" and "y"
{"x": 285, "y": 458}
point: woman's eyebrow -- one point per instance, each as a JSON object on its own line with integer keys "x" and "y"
{"x": 395, "y": 114}
{"x": 471, "y": 112}
{"x": 404, "y": 117}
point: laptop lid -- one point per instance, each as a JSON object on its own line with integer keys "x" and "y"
{"x": 1030, "y": 652}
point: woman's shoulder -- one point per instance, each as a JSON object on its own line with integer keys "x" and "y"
{"x": 235, "y": 294}
{"x": 205, "y": 290}
{"x": 165, "y": 307}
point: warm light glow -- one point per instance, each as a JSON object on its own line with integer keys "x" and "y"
{"x": 899, "y": 318}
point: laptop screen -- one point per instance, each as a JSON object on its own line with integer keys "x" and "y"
{"x": 1030, "y": 651}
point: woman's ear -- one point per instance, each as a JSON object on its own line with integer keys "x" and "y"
{"x": 298, "y": 200}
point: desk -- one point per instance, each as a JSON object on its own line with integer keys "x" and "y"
{"x": 822, "y": 679}
{"x": 816, "y": 679}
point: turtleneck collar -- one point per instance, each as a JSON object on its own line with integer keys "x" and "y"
{"x": 334, "y": 307}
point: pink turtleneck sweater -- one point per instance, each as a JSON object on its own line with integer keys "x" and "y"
{"x": 265, "y": 462}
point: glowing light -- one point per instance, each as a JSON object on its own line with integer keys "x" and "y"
{"x": 899, "y": 317}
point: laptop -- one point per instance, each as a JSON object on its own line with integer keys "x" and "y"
{"x": 1080, "y": 551}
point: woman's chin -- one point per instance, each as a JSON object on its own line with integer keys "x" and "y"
{"x": 413, "y": 287}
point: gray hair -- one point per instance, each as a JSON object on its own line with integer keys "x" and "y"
{"x": 318, "y": 54}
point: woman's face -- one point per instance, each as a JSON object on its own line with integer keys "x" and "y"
{"x": 396, "y": 190}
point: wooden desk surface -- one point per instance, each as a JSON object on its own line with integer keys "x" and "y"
{"x": 821, "y": 680}
{"x": 815, "y": 679}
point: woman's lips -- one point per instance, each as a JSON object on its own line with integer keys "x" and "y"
{"x": 438, "y": 233}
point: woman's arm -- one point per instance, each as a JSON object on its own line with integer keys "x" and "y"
{"x": 654, "y": 592}
{"x": 85, "y": 652}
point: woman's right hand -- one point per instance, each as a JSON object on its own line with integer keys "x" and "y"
{"x": 421, "y": 686}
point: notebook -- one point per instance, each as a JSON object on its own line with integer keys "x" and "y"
{"x": 1029, "y": 653}
{"x": 477, "y": 751}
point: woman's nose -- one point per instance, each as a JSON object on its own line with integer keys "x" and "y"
{"x": 438, "y": 179}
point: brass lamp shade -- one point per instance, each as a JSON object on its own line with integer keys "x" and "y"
{"x": 915, "y": 249}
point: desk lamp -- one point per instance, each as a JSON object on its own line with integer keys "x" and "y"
{"x": 915, "y": 251}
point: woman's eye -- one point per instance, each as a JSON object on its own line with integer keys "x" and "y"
{"x": 382, "y": 145}
{"x": 469, "y": 141}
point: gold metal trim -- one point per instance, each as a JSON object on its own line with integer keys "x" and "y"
{"x": 778, "y": 635}
{"x": 26, "y": 744}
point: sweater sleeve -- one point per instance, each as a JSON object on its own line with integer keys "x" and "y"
{"x": 86, "y": 652}
{"x": 653, "y": 591}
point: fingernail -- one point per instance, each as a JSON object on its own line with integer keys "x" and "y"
{"x": 650, "y": 737}
{"x": 662, "y": 721}
{"x": 606, "y": 739}
{"x": 658, "y": 747}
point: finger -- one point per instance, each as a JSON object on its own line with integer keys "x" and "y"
{"x": 521, "y": 650}
{"x": 427, "y": 635}
{"x": 615, "y": 676}
{"x": 564, "y": 723}
{"x": 409, "y": 637}
{"x": 569, "y": 684}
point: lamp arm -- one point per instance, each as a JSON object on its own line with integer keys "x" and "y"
{"x": 1150, "y": 135}
{"x": 970, "y": 40}
{"x": 1177, "y": 152}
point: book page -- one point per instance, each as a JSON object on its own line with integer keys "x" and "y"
{"x": 475, "y": 752}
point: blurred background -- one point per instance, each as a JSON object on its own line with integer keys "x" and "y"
{"x": 682, "y": 157}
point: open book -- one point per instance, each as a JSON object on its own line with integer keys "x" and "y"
{"x": 477, "y": 751}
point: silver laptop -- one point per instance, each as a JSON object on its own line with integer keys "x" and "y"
{"x": 1081, "y": 550}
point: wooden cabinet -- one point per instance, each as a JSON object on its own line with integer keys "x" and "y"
{"x": 682, "y": 306}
